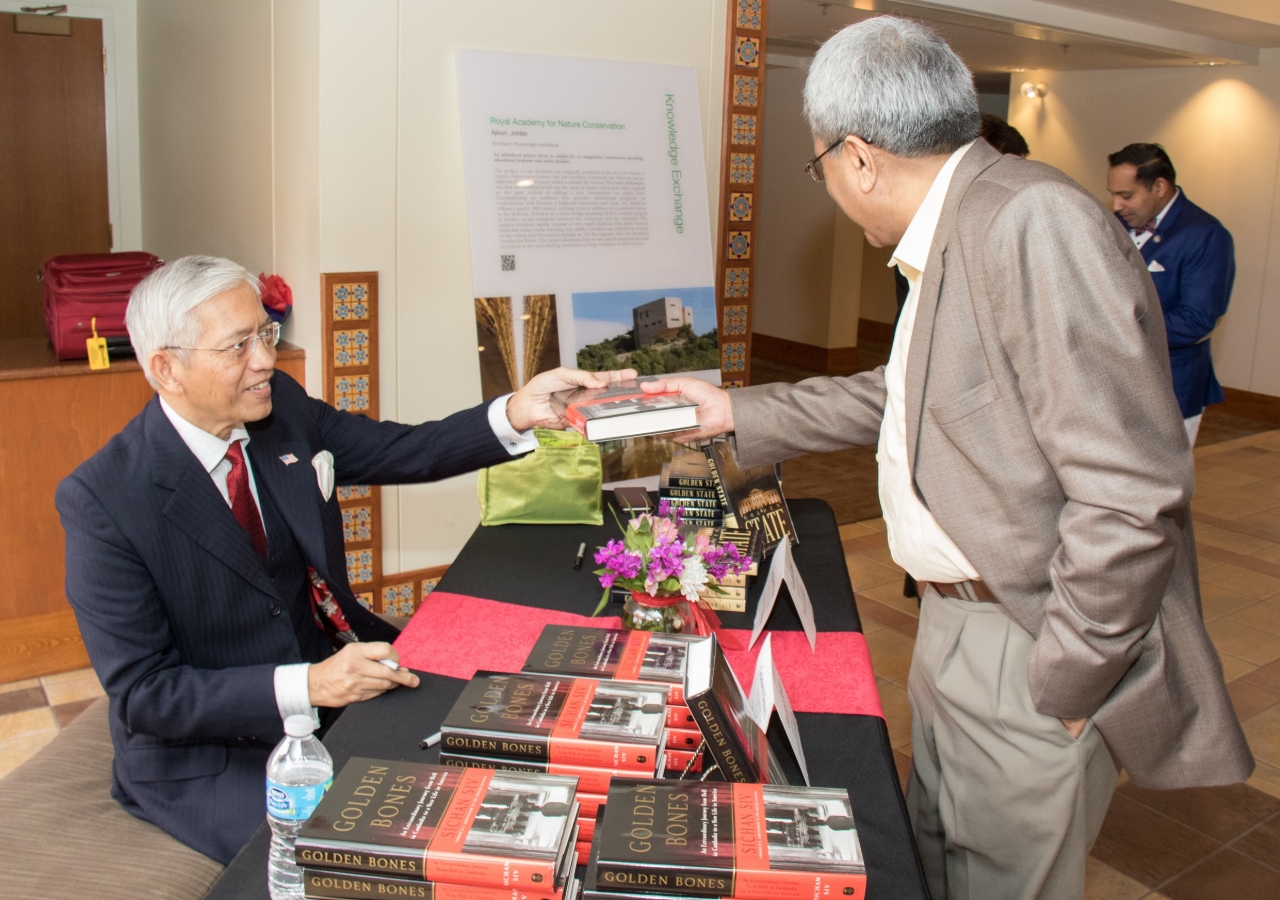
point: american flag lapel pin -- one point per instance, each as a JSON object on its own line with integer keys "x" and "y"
{"x": 288, "y": 459}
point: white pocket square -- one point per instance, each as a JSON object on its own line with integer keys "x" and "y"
{"x": 322, "y": 462}
{"x": 1154, "y": 266}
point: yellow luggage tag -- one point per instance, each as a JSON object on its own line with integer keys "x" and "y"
{"x": 98, "y": 358}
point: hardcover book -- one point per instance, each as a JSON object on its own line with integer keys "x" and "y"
{"x": 754, "y": 496}
{"x": 624, "y": 411}
{"x": 747, "y": 841}
{"x": 615, "y": 654}
{"x": 447, "y": 825}
{"x": 327, "y": 884}
{"x": 591, "y": 780}
{"x": 558, "y": 719}
{"x": 734, "y": 741}
{"x": 688, "y": 469}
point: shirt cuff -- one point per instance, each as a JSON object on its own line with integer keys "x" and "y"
{"x": 515, "y": 442}
{"x": 293, "y": 698}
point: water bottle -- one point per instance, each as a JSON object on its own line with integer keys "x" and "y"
{"x": 299, "y": 772}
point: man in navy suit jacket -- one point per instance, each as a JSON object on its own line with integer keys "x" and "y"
{"x": 191, "y": 563}
{"x": 1191, "y": 259}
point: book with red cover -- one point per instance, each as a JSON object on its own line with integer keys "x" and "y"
{"x": 328, "y": 884}
{"x": 623, "y": 411}
{"x": 746, "y": 841}
{"x": 613, "y": 653}
{"x": 442, "y": 824}
{"x": 592, "y": 780}
{"x": 558, "y": 719}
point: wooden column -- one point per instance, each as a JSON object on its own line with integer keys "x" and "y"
{"x": 739, "y": 187}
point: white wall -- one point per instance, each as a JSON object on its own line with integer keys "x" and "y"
{"x": 303, "y": 137}
{"x": 1221, "y": 127}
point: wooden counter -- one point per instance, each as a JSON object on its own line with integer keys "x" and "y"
{"x": 53, "y": 416}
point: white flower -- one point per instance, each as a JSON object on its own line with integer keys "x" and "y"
{"x": 694, "y": 578}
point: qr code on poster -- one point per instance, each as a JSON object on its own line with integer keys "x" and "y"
{"x": 509, "y": 262}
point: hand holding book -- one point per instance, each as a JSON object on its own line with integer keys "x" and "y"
{"x": 715, "y": 409}
{"x": 531, "y": 406}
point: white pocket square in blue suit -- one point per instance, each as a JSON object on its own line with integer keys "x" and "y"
{"x": 322, "y": 462}
{"x": 1154, "y": 266}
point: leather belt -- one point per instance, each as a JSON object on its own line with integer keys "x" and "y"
{"x": 963, "y": 590}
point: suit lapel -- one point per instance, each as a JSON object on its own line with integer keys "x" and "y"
{"x": 978, "y": 158}
{"x": 294, "y": 489}
{"x": 195, "y": 505}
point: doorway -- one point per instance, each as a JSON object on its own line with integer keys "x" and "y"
{"x": 53, "y": 156}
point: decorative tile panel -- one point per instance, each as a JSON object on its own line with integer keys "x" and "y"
{"x": 354, "y": 492}
{"x": 746, "y": 90}
{"x": 739, "y": 246}
{"x": 398, "y": 599}
{"x": 365, "y": 599}
{"x": 351, "y": 347}
{"x": 744, "y": 129}
{"x": 735, "y": 320}
{"x": 733, "y": 358}
{"x": 749, "y": 14}
{"x": 359, "y": 566}
{"x": 747, "y": 52}
{"x": 733, "y": 384}
{"x": 737, "y": 282}
{"x": 357, "y": 524}
{"x": 351, "y": 393}
{"x": 350, "y": 301}
{"x": 428, "y": 586}
{"x": 742, "y": 168}
{"x": 740, "y": 207}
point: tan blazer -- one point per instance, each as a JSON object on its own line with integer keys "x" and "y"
{"x": 1047, "y": 443}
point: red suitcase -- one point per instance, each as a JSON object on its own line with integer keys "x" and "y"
{"x": 80, "y": 287}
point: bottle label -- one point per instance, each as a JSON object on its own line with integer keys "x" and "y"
{"x": 294, "y": 802}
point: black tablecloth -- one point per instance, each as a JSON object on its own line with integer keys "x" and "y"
{"x": 533, "y": 565}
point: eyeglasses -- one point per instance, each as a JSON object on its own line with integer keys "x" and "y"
{"x": 814, "y": 166}
{"x": 243, "y": 349}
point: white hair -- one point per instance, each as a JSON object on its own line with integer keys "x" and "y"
{"x": 162, "y": 308}
{"x": 895, "y": 84}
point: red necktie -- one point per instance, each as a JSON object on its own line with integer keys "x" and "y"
{"x": 243, "y": 506}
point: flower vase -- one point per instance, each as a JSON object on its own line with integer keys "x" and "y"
{"x": 666, "y": 613}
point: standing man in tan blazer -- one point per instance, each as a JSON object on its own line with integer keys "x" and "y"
{"x": 1034, "y": 474}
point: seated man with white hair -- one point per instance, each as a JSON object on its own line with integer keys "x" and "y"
{"x": 1034, "y": 475}
{"x": 205, "y": 559}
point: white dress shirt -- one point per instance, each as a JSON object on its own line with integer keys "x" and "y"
{"x": 1140, "y": 239}
{"x": 293, "y": 697}
{"x": 916, "y": 540}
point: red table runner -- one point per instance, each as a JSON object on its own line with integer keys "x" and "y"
{"x": 457, "y": 635}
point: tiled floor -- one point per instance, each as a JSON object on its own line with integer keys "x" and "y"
{"x": 32, "y": 712}
{"x": 1207, "y": 843}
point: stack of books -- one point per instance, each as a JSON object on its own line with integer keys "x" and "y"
{"x": 631, "y": 656}
{"x": 398, "y": 829}
{"x": 687, "y": 482}
{"x": 585, "y": 728}
{"x": 708, "y": 839}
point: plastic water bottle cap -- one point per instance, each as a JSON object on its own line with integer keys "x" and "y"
{"x": 299, "y": 726}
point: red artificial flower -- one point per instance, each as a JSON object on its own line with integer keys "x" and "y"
{"x": 277, "y": 296}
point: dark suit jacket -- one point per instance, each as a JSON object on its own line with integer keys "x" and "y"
{"x": 1198, "y": 262}
{"x": 180, "y": 616}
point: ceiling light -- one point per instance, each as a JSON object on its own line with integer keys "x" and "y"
{"x": 1031, "y": 90}
{"x": 1209, "y": 62}
{"x": 1022, "y": 69}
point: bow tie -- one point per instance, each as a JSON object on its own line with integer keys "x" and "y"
{"x": 1149, "y": 228}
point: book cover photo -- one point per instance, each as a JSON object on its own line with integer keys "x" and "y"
{"x": 613, "y": 653}
{"x": 443, "y": 824}
{"x": 754, "y": 495}
{"x": 558, "y": 719}
{"x": 747, "y": 841}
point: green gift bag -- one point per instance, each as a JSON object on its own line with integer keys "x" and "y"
{"x": 557, "y": 484}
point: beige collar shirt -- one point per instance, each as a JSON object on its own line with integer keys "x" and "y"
{"x": 916, "y": 541}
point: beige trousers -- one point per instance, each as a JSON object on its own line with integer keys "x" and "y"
{"x": 1004, "y": 802}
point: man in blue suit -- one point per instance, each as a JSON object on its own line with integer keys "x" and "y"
{"x": 205, "y": 560}
{"x": 1191, "y": 259}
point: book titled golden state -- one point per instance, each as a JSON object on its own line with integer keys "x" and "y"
{"x": 558, "y": 719}
{"x": 745, "y": 841}
{"x": 614, "y": 654}
{"x": 443, "y": 824}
